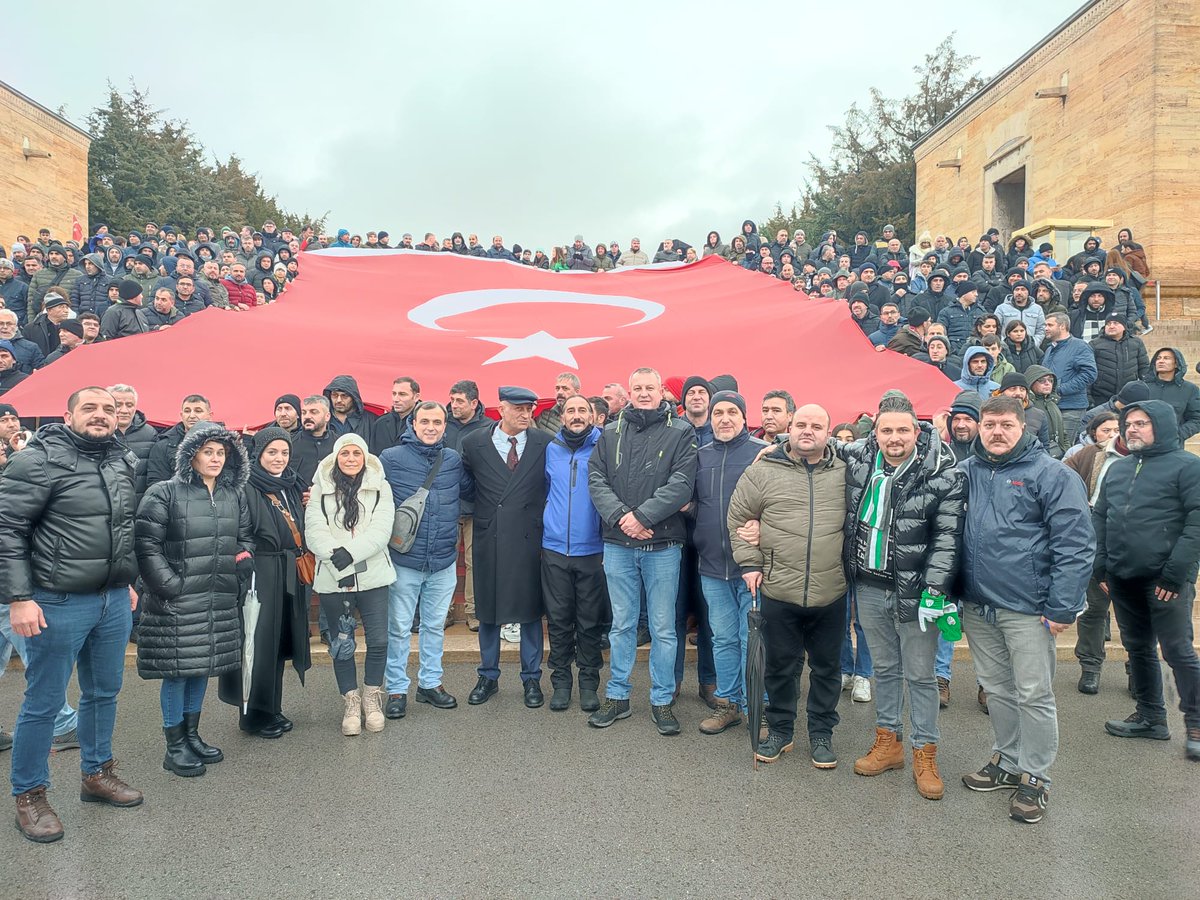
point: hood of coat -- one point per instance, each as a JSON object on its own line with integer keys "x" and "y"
{"x": 373, "y": 479}
{"x": 971, "y": 353}
{"x": 348, "y": 385}
{"x": 237, "y": 467}
{"x": 1180, "y": 365}
{"x": 1163, "y": 419}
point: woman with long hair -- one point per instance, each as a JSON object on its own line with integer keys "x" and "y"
{"x": 194, "y": 548}
{"x": 275, "y": 501}
{"x": 348, "y": 522}
{"x": 558, "y": 262}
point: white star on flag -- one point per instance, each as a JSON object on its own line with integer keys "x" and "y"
{"x": 540, "y": 344}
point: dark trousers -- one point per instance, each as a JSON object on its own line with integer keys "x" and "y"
{"x": 573, "y": 588}
{"x": 531, "y": 650}
{"x": 1146, "y": 621}
{"x": 372, "y": 609}
{"x": 690, "y": 599}
{"x": 790, "y": 632}
{"x": 1090, "y": 628}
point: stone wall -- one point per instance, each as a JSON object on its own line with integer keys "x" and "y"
{"x": 1121, "y": 146}
{"x": 39, "y": 192}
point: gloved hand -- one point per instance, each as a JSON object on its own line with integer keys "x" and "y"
{"x": 931, "y": 608}
{"x": 347, "y": 582}
{"x": 244, "y": 566}
{"x": 341, "y": 559}
{"x": 950, "y": 625}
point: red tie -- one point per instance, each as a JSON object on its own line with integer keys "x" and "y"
{"x": 513, "y": 459}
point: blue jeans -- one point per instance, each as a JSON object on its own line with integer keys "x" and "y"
{"x": 852, "y": 664}
{"x": 66, "y": 720}
{"x": 728, "y": 608}
{"x": 87, "y": 631}
{"x": 432, "y": 593}
{"x": 179, "y": 696}
{"x": 945, "y": 653}
{"x": 628, "y": 570}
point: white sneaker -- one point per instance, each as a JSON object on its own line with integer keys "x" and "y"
{"x": 847, "y": 680}
{"x": 861, "y": 692}
{"x": 510, "y": 634}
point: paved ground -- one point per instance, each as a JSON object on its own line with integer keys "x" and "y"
{"x": 501, "y": 801}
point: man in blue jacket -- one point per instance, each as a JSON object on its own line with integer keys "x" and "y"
{"x": 1028, "y": 544}
{"x": 573, "y": 583}
{"x": 427, "y": 574}
{"x": 720, "y": 465}
{"x": 1073, "y": 362}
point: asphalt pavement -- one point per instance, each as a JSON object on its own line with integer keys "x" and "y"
{"x": 502, "y": 801}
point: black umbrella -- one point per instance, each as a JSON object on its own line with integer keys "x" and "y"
{"x": 756, "y": 665}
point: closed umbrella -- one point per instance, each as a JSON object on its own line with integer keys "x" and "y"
{"x": 756, "y": 665}
{"x": 342, "y": 646}
{"x": 250, "y": 611}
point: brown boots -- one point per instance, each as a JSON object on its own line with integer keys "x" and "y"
{"x": 106, "y": 786}
{"x": 888, "y": 753}
{"x": 36, "y": 819}
{"x": 885, "y": 754}
{"x": 925, "y": 772}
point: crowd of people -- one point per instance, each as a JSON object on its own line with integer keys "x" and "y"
{"x": 618, "y": 519}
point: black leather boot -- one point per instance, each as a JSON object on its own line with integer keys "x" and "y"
{"x": 180, "y": 759}
{"x": 206, "y": 752}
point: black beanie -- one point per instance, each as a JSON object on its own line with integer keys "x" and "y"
{"x": 129, "y": 289}
{"x": 1134, "y": 392}
{"x": 696, "y": 381}
{"x": 728, "y": 397}
{"x": 1013, "y": 379}
{"x": 289, "y": 398}
{"x": 266, "y": 436}
{"x": 723, "y": 383}
{"x": 918, "y": 317}
{"x": 7, "y": 409}
{"x": 967, "y": 403}
{"x": 74, "y": 326}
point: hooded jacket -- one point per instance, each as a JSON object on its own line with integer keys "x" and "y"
{"x": 1147, "y": 517}
{"x": 927, "y": 519}
{"x": 752, "y": 238}
{"x": 367, "y": 544}
{"x": 644, "y": 463}
{"x": 406, "y": 466}
{"x": 1028, "y": 542}
{"x": 63, "y": 277}
{"x": 1059, "y": 439}
{"x": 89, "y": 293}
{"x": 802, "y": 515}
{"x": 980, "y": 384}
{"x": 359, "y": 420}
{"x": 1031, "y": 315}
{"x": 66, "y": 516}
{"x": 719, "y": 466}
{"x": 1183, "y": 396}
{"x": 571, "y": 523}
{"x": 1117, "y": 364}
{"x": 187, "y": 540}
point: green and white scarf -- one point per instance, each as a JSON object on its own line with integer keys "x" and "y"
{"x": 875, "y": 511}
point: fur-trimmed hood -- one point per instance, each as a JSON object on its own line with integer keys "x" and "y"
{"x": 237, "y": 465}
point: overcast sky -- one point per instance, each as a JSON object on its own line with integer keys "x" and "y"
{"x": 614, "y": 120}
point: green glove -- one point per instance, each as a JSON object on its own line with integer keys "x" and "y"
{"x": 931, "y": 608}
{"x": 950, "y": 625}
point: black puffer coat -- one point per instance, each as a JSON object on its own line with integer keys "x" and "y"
{"x": 186, "y": 543}
{"x": 140, "y": 438}
{"x": 66, "y": 516}
{"x": 927, "y": 520}
{"x": 1117, "y": 364}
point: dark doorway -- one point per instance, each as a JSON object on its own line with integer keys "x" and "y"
{"x": 1009, "y": 202}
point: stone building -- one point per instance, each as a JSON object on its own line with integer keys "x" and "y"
{"x": 43, "y": 169}
{"x": 1097, "y": 127}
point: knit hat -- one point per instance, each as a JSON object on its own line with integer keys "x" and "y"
{"x": 266, "y": 436}
{"x": 967, "y": 287}
{"x": 130, "y": 289}
{"x": 918, "y": 317}
{"x": 6, "y": 263}
{"x": 967, "y": 403}
{"x": 52, "y": 299}
{"x": 8, "y": 348}
{"x": 7, "y": 409}
{"x": 728, "y": 397}
{"x": 74, "y": 326}
{"x": 723, "y": 383}
{"x": 941, "y": 340}
{"x": 674, "y": 384}
{"x": 293, "y": 399}
{"x": 696, "y": 381}
{"x": 1134, "y": 392}
{"x": 1013, "y": 379}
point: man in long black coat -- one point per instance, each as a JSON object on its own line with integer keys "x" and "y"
{"x": 508, "y": 461}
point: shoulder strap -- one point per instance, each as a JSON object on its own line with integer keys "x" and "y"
{"x": 433, "y": 470}
{"x": 287, "y": 517}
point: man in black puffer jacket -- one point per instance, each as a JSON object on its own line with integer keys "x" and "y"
{"x": 89, "y": 293}
{"x": 66, "y": 564}
{"x": 905, "y": 499}
{"x": 1120, "y": 359}
{"x": 1147, "y": 522}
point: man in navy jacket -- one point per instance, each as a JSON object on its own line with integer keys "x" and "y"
{"x": 573, "y": 584}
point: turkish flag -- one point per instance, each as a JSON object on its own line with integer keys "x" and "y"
{"x": 442, "y": 317}
{"x": 76, "y": 229}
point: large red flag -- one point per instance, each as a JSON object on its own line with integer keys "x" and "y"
{"x": 443, "y": 317}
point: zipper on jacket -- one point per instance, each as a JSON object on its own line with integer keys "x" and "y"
{"x": 571, "y": 499}
{"x": 721, "y": 500}
{"x": 811, "y": 527}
